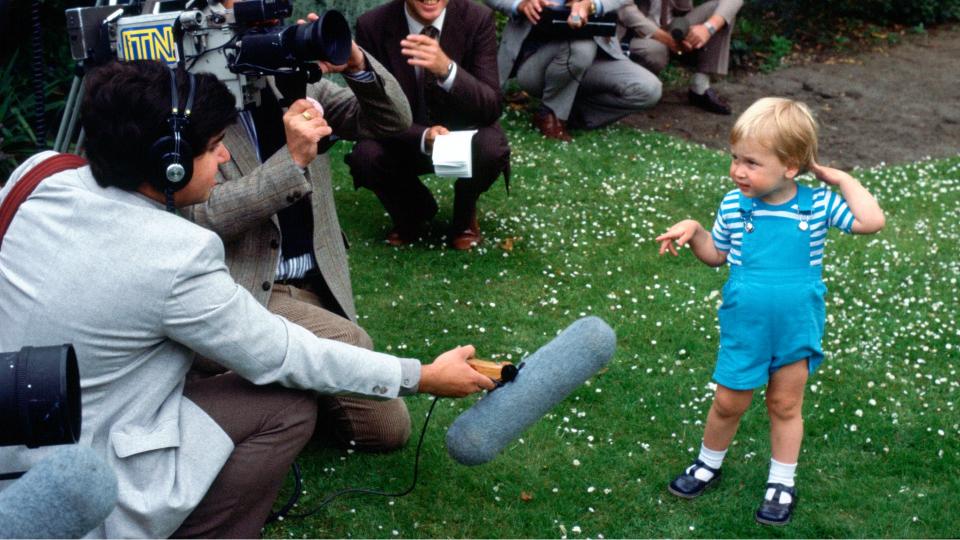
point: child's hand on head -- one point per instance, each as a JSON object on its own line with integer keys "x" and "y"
{"x": 829, "y": 175}
{"x": 681, "y": 233}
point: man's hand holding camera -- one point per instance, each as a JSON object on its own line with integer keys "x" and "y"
{"x": 357, "y": 61}
{"x": 304, "y": 126}
{"x": 580, "y": 11}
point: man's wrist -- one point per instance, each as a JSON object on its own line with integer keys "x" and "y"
{"x": 710, "y": 28}
{"x": 410, "y": 374}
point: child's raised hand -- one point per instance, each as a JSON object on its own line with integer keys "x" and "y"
{"x": 681, "y": 233}
{"x": 829, "y": 175}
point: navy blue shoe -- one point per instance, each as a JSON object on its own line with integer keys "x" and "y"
{"x": 773, "y": 512}
{"x": 689, "y": 486}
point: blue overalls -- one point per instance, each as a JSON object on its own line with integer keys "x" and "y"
{"x": 773, "y": 304}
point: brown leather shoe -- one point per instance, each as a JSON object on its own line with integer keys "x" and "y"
{"x": 465, "y": 240}
{"x": 551, "y": 126}
{"x": 709, "y": 101}
{"x": 400, "y": 237}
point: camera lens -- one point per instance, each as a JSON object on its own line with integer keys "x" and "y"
{"x": 255, "y": 11}
{"x": 39, "y": 397}
{"x": 325, "y": 39}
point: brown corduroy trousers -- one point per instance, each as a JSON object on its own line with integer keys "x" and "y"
{"x": 269, "y": 425}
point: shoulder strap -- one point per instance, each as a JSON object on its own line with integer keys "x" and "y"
{"x": 804, "y": 199}
{"x": 29, "y": 182}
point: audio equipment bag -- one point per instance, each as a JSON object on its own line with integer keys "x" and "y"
{"x": 30, "y": 181}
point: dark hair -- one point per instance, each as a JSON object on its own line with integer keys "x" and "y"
{"x": 125, "y": 110}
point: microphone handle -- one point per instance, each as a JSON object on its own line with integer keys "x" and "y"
{"x": 498, "y": 371}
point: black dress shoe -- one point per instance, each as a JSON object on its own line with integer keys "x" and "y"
{"x": 773, "y": 512}
{"x": 689, "y": 486}
{"x": 709, "y": 101}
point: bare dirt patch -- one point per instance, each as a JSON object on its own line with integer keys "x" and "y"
{"x": 891, "y": 105}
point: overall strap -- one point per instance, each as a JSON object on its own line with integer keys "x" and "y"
{"x": 746, "y": 212}
{"x": 804, "y": 205}
{"x": 29, "y": 182}
{"x": 804, "y": 199}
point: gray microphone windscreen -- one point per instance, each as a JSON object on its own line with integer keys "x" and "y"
{"x": 65, "y": 495}
{"x": 547, "y": 377}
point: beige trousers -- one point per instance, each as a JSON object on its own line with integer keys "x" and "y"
{"x": 713, "y": 58}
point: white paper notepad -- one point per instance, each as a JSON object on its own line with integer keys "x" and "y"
{"x": 453, "y": 154}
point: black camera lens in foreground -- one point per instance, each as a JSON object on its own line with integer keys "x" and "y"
{"x": 39, "y": 397}
{"x": 327, "y": 39}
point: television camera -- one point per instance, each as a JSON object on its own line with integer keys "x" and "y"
{"x": 238, "y": 45}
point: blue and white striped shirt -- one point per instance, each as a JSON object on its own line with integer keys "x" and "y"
{"x": 829, "y": 210}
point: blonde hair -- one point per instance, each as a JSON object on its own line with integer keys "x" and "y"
{"x": 783, "y": 126}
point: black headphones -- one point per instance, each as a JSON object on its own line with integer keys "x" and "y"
{"x": 172, "y": 155}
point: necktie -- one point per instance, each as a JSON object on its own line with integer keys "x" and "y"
{"x": 428, "y": 81}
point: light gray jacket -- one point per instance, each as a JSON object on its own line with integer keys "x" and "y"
{"x": 136, "y": 290}
{"x": 242, "y": 208}
{"x": 518, "y": 28}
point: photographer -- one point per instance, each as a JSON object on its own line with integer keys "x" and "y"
{"x": 92, "y": 258}
{"x": 273, "y": 207}
{"x": 647, "y": 25}
{"x": 587, "y": 83}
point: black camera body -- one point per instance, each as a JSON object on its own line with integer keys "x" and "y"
{"x": 239, "y": 46}
{"x": 553, "y": 26}
{"x": 39, "y": 397}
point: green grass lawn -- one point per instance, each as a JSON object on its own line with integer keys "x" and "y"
{"x": 575, "y": 237}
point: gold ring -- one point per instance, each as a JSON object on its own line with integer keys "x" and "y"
{"x": 306, "y": 115}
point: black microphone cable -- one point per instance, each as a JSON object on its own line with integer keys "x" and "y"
{"x": 283, "y": 513}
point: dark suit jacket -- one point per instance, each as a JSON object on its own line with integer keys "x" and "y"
{"x": 468, "y": 37}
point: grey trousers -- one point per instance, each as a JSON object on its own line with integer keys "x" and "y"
{"x": 713, "y": 58}
{"x": 579, "y": 82}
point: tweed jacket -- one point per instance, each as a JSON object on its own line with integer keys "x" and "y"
{"x": 242, "y": 208}
{"x": 634, "y": 15}
{"x": 136, "y": 289}
{"x": 518, "y": 28}
{"x": 468, "y": 38}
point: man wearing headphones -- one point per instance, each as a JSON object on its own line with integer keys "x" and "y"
{"x": 273, "y": 207}
{"x": 91, "y": 257}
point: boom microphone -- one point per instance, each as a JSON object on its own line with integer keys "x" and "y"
{"x": 65, "y": 495}
{"x": 545, "y": 378}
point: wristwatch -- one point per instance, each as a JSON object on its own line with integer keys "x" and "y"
{"x": 710, "y": 27}
{"x": 449, "y": 71}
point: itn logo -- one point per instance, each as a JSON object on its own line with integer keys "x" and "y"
{"x": 149, "y": 43}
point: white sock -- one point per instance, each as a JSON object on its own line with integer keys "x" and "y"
{"x": 781, "y": 473}
{"x": 712, "y": 458}
{"x": 699, "y": 83}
